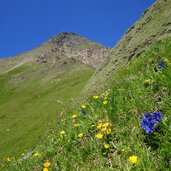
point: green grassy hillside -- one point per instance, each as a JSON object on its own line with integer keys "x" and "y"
{"x": 32, "y": 98}
{"x": 153, "y": 26}
{"x": 105, "y": 132}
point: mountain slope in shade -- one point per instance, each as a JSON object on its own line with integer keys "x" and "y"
{"x": 154, "y": 25}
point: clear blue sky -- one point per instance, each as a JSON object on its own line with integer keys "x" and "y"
{"x": 25, "y": 24}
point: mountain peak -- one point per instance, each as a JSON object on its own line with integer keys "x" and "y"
{"x": 71, "y": 39}
{"x": 72, "y": 45}
{"x": 66, "y": 46}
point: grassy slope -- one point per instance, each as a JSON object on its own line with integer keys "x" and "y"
{"x": 129, "y": 98}
{"x": 31, "y": 96}
{"x": 154, "y": 25}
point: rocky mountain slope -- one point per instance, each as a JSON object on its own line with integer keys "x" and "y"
{"x": 154, "y": 25}
{"x": 60, "y": 48}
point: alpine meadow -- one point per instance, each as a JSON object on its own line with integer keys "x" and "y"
{"x": 73, "y": 104}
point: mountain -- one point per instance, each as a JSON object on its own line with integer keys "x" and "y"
{"x": 154, "y": 25}
{"x": 39, "y": 85}
{"x": 58, "y": 49}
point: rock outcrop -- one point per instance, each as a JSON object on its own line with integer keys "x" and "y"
{"x": 70, "y": 45}
{"x": 60, "y": 49}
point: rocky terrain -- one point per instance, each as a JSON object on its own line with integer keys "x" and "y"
{"x": 59, "y": 49}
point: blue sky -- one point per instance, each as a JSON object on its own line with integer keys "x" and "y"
{"x": 26, "y": 24}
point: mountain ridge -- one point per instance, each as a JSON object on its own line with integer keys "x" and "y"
{"x": 154, "y": 25}
{"x": 59, "y": 48}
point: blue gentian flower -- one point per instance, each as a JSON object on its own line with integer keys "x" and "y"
{"x": 157, "y": 117}
{"x": 162, "y": 64}
{"x": 83, "y": 112}
{"x": 149, "y": 122}
{"x": 155, "y": 69}
{"x": 147, "y": 115}
{"x": 58, "y": 123}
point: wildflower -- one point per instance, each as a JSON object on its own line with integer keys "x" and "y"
{"x": 99, "y": 136}
{"x": 99, "y": 125}
{"x": 106, "y": 124}
{"x": 157, "y": 117}
{"x": 8, "y": 159}
{"x": 74, "y": 116}
{"x": 62, "y": 132}
{"x": 36, "y": 154}
{"x": 105, "y": 102}
{"x": 108, "y": 131}
{"x": 107, "y": 93}
{"x": 95, "y": 97}
{"x": 22, "y": 154}
{"x": 162, "y": 64}
{"x": 133, "y": 159}
{"x": 83, "y": 106}
{"x": 76, "y": 124}
{"x": 149, "y": 122}
{"x": 81, "y": 135}
{"x": 83, "y": 112}
{"x": 147, "y": 82}
{"x": 167, "y": 60}
{"x": 45, "y": 169}
{"x": 106, "y": 146}
{"x": 46, "y": 164}
{"x": 103, "y": 129}
{"x": 155, "y": 69}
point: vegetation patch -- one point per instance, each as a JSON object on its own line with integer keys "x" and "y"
{"x": 126, "y": 127}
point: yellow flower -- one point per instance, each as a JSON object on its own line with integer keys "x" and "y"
{"x": 108, "y": 131}
{"x": 62, "y": 132}
{"x": 45, "y": 169}
{"x": 105, "y": 102}
{"x": 106, "y": 124}
{"x": 103, "y": 129}
{"x": 36, "y": 154}
{"x": 107, "y": 94}
{"x": 95, "y": 97}
{"x": 147, "y": 82}
{"x": 8, "y": 159}
{"x": 74, "y": 116}
{"x": 77, "y": 125}
{"x": 106, "y": 146}
{"x": 83, "y": 106}
{"x": 99, "y": 125}
{"x": 99, "y": 136}
{"x": 133, "y": 159}
{"x": 166, "y": 60}
{"x": 81, "y": 135}
{"x": 22, "y": 154}
{"x": 46, "y": 164}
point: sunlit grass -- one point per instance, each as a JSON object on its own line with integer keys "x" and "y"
{"x": 110, "y": 135}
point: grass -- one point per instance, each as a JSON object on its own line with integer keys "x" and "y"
{"x": 31, "y": 99}
{"x": 151, "y": 27}
{"x": 111, "y": 131}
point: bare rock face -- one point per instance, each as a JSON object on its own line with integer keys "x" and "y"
{"x": 72, "y": 46}
{"x": 61, "y": 49}
{"x": 42, "y": 58}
